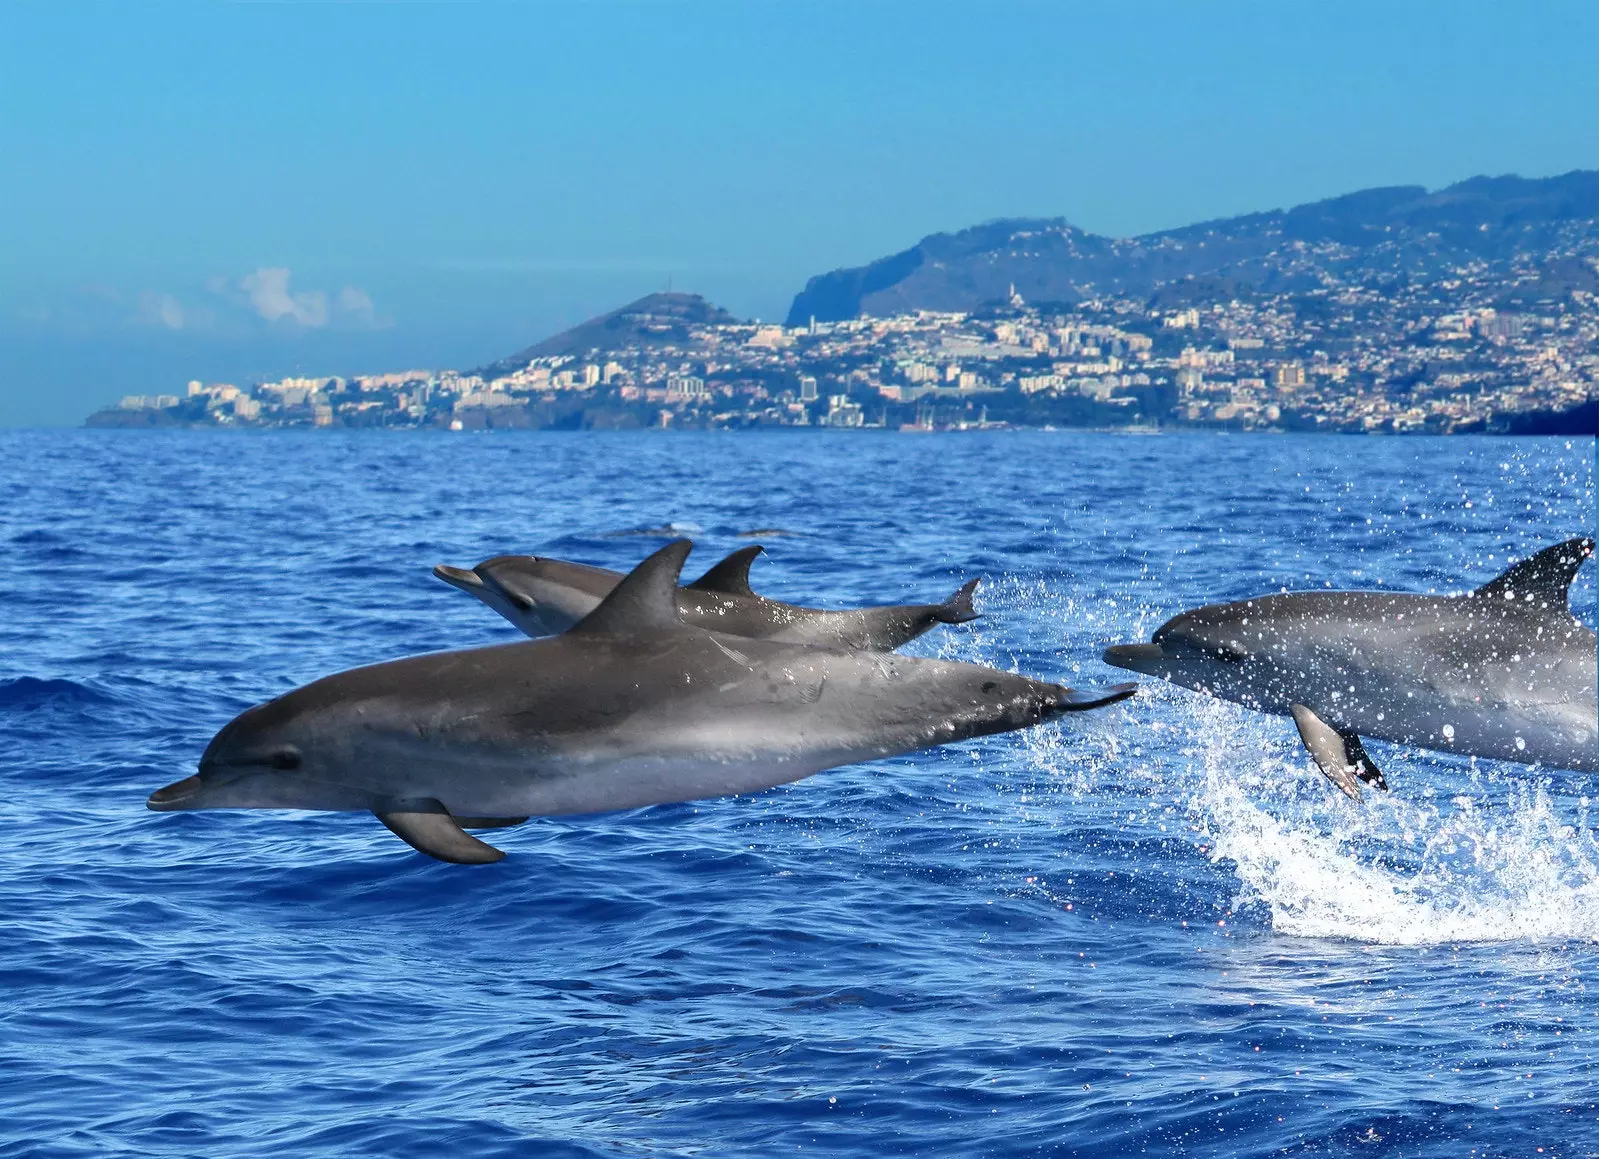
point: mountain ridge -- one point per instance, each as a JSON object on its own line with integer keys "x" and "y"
{"x": 1398, "y": 230}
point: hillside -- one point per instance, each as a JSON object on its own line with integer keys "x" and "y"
{"x": 1402, "y": 232}
{"x": 654, "y": 320}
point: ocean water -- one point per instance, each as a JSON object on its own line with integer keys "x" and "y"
{"x": 1151, "y": 929}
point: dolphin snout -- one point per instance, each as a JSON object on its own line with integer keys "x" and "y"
{"x": 458, "y": 577}
{"x": 1135, "y": 657}
{"x": 1079, "y": 699}
{"x": 173, "y": 796}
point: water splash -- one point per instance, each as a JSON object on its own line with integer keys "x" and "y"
{"x": 1460, "y": 852}
{"x": 1507, "y": 861}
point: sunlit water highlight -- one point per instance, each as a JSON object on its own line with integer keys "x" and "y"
{"x": 1154, "y": 928}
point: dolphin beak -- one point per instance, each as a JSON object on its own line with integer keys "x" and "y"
{"x": 1145, "y": 658}
{"x": 174, "y": 795}
{"x": 1082, "y": 699}
{"x": 460, "y": 577}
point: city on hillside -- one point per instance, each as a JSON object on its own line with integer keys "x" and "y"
{"x": 1368, "y": 362}
{"x": 1396, "y": 310}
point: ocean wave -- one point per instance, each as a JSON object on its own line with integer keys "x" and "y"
{"x": 672, "y": 530}
{"x": 31, "y": 693}
{"x": 1154, "y": 927}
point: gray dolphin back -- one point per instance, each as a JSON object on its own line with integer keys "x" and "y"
{"x": 545, "y": 597}
{"x": 1504, "y": 671}
{"x": 631, "y": 707}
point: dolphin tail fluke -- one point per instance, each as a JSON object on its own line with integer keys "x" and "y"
{"x": 1082, "y": 699}
{"x": 427, "y": 827}
{"x": 958, "y": 608}
{"x": 1340, "y": 756}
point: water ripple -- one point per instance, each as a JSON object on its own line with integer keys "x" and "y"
{"x": 1151, "y": 929}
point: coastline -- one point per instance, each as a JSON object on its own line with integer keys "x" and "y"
{"x": 1582, "y": 421}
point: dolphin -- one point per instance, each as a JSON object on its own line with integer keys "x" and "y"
{"x": 1505, "y": 671}
{"x": 633, "y": 706}
{"x": 544, "y": 596}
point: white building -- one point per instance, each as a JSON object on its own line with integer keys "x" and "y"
{"x": 843, "y": 413}
{"x": 687, "y": 386}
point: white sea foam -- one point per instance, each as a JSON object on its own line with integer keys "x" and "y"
{"x": 1451, "y": 855}
{"x": 1500, "y": 861}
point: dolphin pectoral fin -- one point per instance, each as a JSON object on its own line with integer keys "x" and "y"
{"x": 1339, "y": 755}
{"x": 488, "y": 822}
{"x": 1365, "y": 768}
{"x": 732, "y": 576}
{"x": 428, "y": 828}
{"x": 1082, "y": 699}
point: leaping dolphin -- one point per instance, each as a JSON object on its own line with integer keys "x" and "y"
{"x": 544, "y": 596}
{"x": 1505, "y": 671}
{"x": 631, "y": 707}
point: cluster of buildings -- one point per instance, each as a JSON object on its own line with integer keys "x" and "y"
{"x": 1456, "y": 354}
{"x": 1439, "y": 356}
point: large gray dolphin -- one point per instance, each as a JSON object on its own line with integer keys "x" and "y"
{"x": 545, "y": 596}
{"x": 630, "y": 707}
{"x": 1505, "y": 671}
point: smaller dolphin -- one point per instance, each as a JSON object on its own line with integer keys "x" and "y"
{"x": 1505, "y": 671}
{"x": 544, "y": 597}
{"x": 630, "y": 707}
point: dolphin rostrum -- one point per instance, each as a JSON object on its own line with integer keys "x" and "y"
{"x": 545, "y": 596}
{"x": 631, "y": 707}
{"x": 1505, "y": 671}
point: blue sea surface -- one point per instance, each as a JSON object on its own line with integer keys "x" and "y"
{"x": 1150, "y": 929}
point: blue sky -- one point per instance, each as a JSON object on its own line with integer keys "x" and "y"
{"x": 228, "y": 191}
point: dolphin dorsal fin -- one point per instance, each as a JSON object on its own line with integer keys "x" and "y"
{"x": 1544, "y": 579}
{"x": 645, "y": 600}
{"x": 731, "y": 577}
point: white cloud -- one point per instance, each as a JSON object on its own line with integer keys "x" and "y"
{"x": 356, "y": 307}
{"x": 268, "y": 290}
{"x": 229, "y": 305}
{"x": 161, "y": 310}
{"x": 271, "y": 298}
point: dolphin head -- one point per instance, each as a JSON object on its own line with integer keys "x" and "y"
{"x": 543, "y": 597}
{"x": 473, "y": 584}
{"x": 1214, "y": 649}
{"x": 278, "y": 755}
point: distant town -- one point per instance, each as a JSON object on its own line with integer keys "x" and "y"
{"x": 1391, "y": 311}
{"x": 1370, "y": 364}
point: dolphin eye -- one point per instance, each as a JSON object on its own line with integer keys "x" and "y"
{"x": 1226, "y": 653}
{"x": 285, "y": 760}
